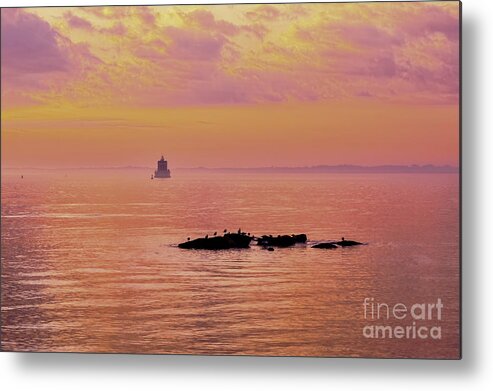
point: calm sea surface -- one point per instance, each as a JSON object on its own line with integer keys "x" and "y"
{"x": 90, "y": 263}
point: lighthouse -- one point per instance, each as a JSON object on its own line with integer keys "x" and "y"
{"x": 162, "y": 169}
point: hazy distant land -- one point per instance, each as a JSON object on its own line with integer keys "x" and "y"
{"x": 339, "y": 169}
{"x": 342, "y": 168}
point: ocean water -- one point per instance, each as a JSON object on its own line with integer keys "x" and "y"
{"x": 89, "y": 263}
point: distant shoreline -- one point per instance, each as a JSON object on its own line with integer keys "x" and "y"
{"x": 320, "y": 169}
{"x": 338, "y": 169}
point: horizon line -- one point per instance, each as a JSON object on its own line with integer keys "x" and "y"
{"x": 315, "y": 168}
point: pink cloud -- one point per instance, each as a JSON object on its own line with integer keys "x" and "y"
{"x": 205, "y": 20}
{"x": 117, "y": 29}
{"x": 431, "y": 20}
{"x": 357, "y": 58}
{"x": 219, "y": 89}
{"x": 364, "y": 35}
{"x": 29, "y": 44}
{"x": 376, "y": 54}
{"x": 193, "y": 45}
{"x": 258, "y": 30}
{"x": 77, "y": 22}
{"x": 417, "y": 51}
{"x": 36, "y": 59}
{"x": 147, "y": 16}
{"x": 432, "y": 60}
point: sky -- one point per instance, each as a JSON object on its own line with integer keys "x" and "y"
{"x": 231, "y": 85}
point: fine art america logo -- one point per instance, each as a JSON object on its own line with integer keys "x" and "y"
{"x": 401, "y": 321}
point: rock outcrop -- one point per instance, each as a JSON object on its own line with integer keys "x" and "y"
{"x": 228, "y": 241}
{"x": 243, "y": 240}
{"x": 281, "y": 240}
{"x": 341, "y": 243}
{"x": 348, "y": 243}
{"x": 325, "y": 245}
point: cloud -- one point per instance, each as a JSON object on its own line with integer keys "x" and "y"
{"x": 409, "y": 48}
{"x": 431, "y": 60}
{"x": 225, "y": 55}
{"x": 363, "y": 34}
{"x": 147, "y": 16}
{"x": 433, "y": 19}
{"x": 206, "y": 21}
{"x": 29, "y": 44}
{"x": 264, "y": 13}
{"x": 77, "y": 22}
{"x": 383, "y": 67}
{"x": 117, "y": 29}
{"x": 258, "y": 30}
{"x": 191, "y": 45}
{"x": 108, "y": 12}
{"x": 36, "y": 59}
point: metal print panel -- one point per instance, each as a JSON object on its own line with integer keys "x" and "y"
{"x": 261, "y": 179}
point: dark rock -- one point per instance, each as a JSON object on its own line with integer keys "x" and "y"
{"x": 281, "y": 240}
{"x": 270, "y": 249}
{"x": 324, "y": 245}
{"x": 348, "y": 243}
{"x": 225, "y": 242}
{"x": 301, "y": 238}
